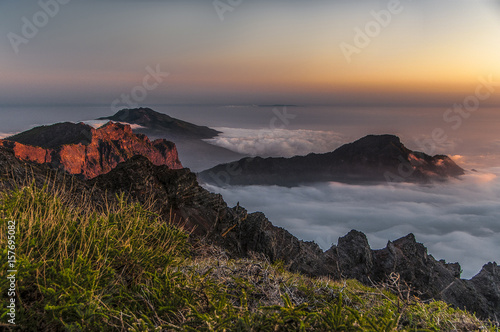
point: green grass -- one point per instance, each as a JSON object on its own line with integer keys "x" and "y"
{"x": 125, "y": 268}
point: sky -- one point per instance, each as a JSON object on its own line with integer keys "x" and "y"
{"x": 368, "y": 52}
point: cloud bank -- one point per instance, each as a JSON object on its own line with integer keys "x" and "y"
{"x": 458, "y": 221}
{"x": 5, "y": 135}
{"x": 99, "y": 123}
{"x": 277, "y": 142}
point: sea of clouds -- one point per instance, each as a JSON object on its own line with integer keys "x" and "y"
{"x": 458, "y": 221}
{"x": 276, "y": 142}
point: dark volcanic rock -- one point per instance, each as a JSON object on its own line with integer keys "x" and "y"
{"x": 256, "y": 233}
{"x": 352, "y": 257}
{"x": 159, "y": 123}
{"x": 410, "y": 259}
{"x": 82, "y": 150}
{"x": 374, "y": 158}
{"x": 487, "y": 284}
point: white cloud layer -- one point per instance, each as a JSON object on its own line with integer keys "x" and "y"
{"x": 276, "y": 142}
{"x": 458, "y": 221}
{"x": 4, "y": 135}
{"x": 99, "y": 123}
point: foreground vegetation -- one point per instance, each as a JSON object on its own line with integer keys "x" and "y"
{"x": 124, "y": 268}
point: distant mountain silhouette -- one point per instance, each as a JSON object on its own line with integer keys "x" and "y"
{"x": 159, "y": 123}
{"x": 374, "y": 158}
{"x": 56, "y": 135}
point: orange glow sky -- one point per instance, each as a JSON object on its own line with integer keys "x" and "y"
{"x": 263, "y": 51}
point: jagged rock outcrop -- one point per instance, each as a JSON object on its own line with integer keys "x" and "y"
{"x": 178, "y": 197}
{"x": 374, "y": 158}
{"x": 82, "y": 150}
{"x": 481, "y": 294}
{"x": 410, "y": 259}
{"x": 429, "y": 278}
{"x": 351, "y": 257}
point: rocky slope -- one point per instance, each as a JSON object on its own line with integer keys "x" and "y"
{"x": 374, "y": 158}
{"x": 176, "y": 194}
{"x": 82, "y": 150}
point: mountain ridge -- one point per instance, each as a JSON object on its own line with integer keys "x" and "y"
{"x": 373, "y": 158}
{"x": 155, "y": 122}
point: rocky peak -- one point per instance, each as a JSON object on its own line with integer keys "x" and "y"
{"x": 376, "y": 144}
{"x": 82, "y": 150}
{"x": 142, "y": 116}
{"x": 156, "y": 123}
{"x": 354, "y": 255}
{"x": 487, "y": 282}
{"x": 115, "y": 129}
{"x": 409, "y": 246}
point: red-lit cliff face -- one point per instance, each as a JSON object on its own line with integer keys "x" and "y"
{"x": 98, "y": 152}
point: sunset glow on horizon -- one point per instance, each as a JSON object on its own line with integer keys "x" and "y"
{"x": 283, "y": 51}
